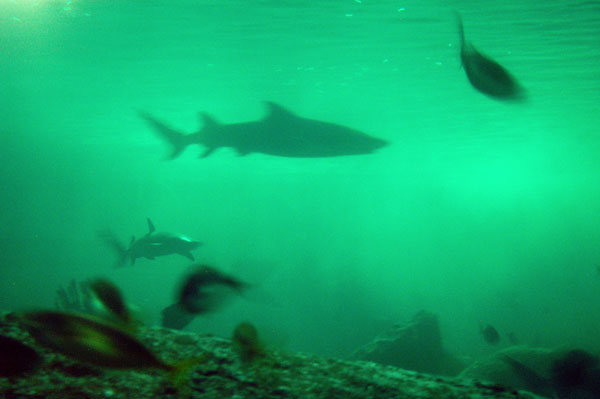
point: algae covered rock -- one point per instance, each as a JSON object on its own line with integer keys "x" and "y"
{"x": 415, "y": 346}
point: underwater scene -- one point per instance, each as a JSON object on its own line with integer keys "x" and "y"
{"x": 409, "y": 183}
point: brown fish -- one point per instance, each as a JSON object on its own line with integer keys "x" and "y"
{"x": 98, "y": 343}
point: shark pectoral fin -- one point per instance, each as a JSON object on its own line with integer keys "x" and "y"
{"x": 150, "y": 257}
{"x": 151, "y": 228}
{"x": 207, "y": 152}
{"x": 188, "y": 255}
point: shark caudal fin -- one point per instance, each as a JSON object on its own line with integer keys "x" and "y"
{"x": 177, "y": 140}
{"x": 117, "y": 246}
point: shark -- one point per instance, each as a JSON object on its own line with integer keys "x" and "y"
{"x": 280, "y": 132}
{"x": 152, "y": 245}
{"x": 485, "y": 74}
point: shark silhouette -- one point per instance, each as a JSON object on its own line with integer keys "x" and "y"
{"x": 151, "y": 245}
{"x": 485, "y": 74}
{"x": 279, "y": 133}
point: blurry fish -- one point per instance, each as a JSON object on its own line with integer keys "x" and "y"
{"x": 92, "y": 341}
{"x": 573, "y": 375}
{"x": 490, "y": 334}
{"x": 110, "y": 298}
{"x": 176, "y": 317}
{"x": 485, "y": 74}
{"x": 16, "y": 358}
{"x": 151, "y": 245}
{"x": 576, "y": 371}
{"x": 512, "y": 338}
{"x": 205, "y": 290}
{"x": 246, "y": 343}
{"x": 532, "y": 381}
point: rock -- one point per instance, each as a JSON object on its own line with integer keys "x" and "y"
{"x": 223, "y": 375}
{"x": 416, "y": 346}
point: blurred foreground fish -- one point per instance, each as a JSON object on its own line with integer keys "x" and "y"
{"x": 16, "y": 358}
{"x": 110, "y": 298}
{"x": 205, "y": 290}
{"x": 490, "y": 334}
{"x": 575, "y": 374}
{"x": 92, "y": 341}
{"x": 485, "y": 74}
{"x": 150, "y": 246}
{"x": 246, "y": 343}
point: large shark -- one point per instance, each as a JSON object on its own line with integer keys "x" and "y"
{"x": 485, "y": 74}
{"x": 151, "y": 245}
{"x": 280, "y": 133}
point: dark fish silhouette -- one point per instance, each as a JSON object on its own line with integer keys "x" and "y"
{"x": 16, "y": 358}
{"x": 279, "y": 133}
{"x": 532, "y": 381}
{"x": 111, "y": 299}
{"x": 575, "y": 374}
{"x": 203, "y": 291}
{"x": 485, "y": 74}
{"x": 152, "y": 245}
{"x": 490, "y": 334}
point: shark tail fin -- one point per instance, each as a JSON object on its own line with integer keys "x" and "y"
{"x": 117, "y": 246}
{"x": 176, "y": 139}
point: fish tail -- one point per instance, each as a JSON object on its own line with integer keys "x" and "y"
{"x": 117, "y": 246}
{"x": 176, "y": 139}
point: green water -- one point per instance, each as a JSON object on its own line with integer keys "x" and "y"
{"x": 478, "y": 211}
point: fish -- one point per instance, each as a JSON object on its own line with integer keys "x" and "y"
{"x": 176, "y": 317}
{"x": 532, "y": 381}
{"x": 204, "y": 290}
{"x": 151, "y": 245}
{"x": 490, "y": 334}
{"x": 93, "y": 341}
{"x": 512, "y": 338}
{"x": 485, "y": 74}
{"x": 207, "y": 289}
{"x": 280, "y": 133}
{"x": 111, "y": 300}
{"x": 573, "y": 374}
{"x": 17, "y": 358}
{"x": 576, "y": 371}
{"x": 246, "y": 343}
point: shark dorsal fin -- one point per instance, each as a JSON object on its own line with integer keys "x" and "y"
{"x": 207, "y": 121}
{"x": 151, "y": 228}
{"x": 131, "y": 241}
{"x": 277, "y": 111}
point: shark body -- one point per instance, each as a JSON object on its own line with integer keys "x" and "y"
{"x": 279, "y": 133}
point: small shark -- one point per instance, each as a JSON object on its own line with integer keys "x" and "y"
{"x": 151, "y": 245}
{"x": 279, "y": 133}
{"x": 485, "y": 74}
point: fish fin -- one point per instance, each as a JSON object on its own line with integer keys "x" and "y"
{"x": 208, "y": 121}
{"x": 151, "y": 228}
{"x": 178, "y": 372}
{"x": 242, "y": 153}
{"x": 207, "y": 152}
{"x": 188, "y": 255}
{"x": 177, "y": 140}
{"x": 277, "y": 111}
{"x": 117, "y": 246}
